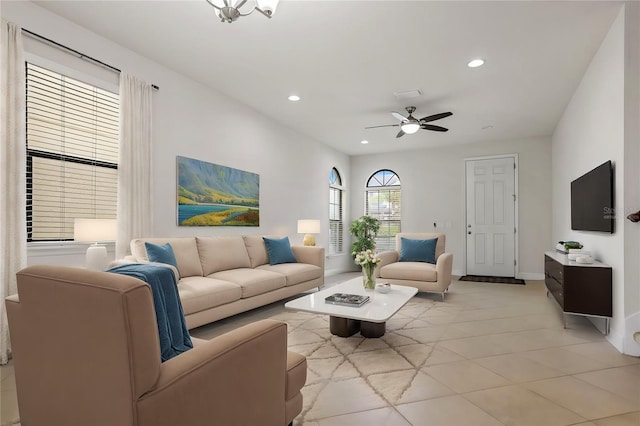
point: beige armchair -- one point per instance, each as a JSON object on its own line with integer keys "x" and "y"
{"x": 86, "y": 352}
{"x": 424, "y": 276}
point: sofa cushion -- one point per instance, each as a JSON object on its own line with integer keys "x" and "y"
{"x": 200, "y": 293}
{"x": 252, "y": 281}
{"x": 256, "y": 250}
{"x": 413, "y": 250}
{"x": 161, "y": 254}
{"x": 295, "y": 273}
{"x": 222, "y": 253}
{"x": 415, "y": 271}
{"x": 279, "y": 250}
{"x": 184, "y": 248}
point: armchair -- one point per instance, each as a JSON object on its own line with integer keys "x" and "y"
{"x": 86, "y": 352}
{"x": 424, "y": 276}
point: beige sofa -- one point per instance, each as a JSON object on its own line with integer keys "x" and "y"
{"x": 86, "y": 353}
{"x": 223, "y": 276}
{"x": 424, "y": 276}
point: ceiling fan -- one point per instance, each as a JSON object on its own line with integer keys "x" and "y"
{"x": 410, "y": 125}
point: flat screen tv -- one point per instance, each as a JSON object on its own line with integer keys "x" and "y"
{"x": 592, "y": 200}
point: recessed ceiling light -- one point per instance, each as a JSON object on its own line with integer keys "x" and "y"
{"x": 364, "y": 142}
{"x": 294, "y": 98}
{"x": 487, "y": 127}
{"x": 476, "y": 63}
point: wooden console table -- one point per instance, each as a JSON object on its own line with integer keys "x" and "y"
{"x": 579, "y": 288}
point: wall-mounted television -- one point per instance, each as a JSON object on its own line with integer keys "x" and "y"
{"x": 592, "y": 200}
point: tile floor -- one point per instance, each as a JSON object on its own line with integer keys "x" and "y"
{"x": 490, "y": 354}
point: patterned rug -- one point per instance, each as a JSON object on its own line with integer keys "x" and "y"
{"x": 382, "y": 372}
{"x": 495, "y": 280}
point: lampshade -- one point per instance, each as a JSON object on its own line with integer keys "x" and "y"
{"x": 410, "y": 127}
{"x": 308, "y": 226}
{"x": 95, "y": 230}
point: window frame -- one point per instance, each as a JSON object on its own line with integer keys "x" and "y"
{"x": 336, "y": 187}
{"x": 380, "y": 182}
{"x": 35, "y": 153}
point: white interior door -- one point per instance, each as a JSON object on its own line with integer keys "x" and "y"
{"x": 491, "y": 228}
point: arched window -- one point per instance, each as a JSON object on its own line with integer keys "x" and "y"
{"x": 382, "y": 201}
{"x": 336, "y": 224}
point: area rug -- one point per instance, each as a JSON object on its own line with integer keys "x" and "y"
{"x": 378, "y": 372}
{"x": 496, "y": 280}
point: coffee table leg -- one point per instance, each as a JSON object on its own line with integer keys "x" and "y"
{"x": 372, "y": 329}
{"x": 343, "y": 327}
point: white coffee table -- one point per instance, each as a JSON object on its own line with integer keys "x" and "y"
{"x": 370, "y": 319}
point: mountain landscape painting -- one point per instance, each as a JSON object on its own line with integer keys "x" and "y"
{"x": 214, "y": 195}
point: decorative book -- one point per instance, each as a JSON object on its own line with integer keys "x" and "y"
{"x": 345, "y": 299}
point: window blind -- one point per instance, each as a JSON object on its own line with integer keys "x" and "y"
{"x": 384, "y": 205}
{"x": 72, "y": 153}
{"x": 336, "y": 225}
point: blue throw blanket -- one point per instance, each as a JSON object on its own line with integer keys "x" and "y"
{"x": 172, "y": 327}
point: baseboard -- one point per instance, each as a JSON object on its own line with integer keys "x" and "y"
{"x": 533, "y": 276}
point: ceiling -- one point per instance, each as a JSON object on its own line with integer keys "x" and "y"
{"x": 347, "y": 58}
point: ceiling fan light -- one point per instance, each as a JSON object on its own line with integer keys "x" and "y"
{"x": 410, "y": 127}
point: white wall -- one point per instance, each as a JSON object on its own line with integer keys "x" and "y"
{"x": 433, "y": 190}
{"x": 590, "y": 132}
{"x": 195, "y": 121}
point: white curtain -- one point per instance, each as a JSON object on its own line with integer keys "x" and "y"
{"x": 13, "y": 221}
{"x": 134, "y": 167}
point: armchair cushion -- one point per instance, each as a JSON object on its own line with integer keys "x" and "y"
{"x": 412, "y": 250}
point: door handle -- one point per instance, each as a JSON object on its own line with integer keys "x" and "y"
{"x": 469, "y": 232}
{"x": 469, "y": 226}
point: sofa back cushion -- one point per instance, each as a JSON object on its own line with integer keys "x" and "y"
{"x": 256, "y": 249}
{"x": 184, "y": 249}
{"x": 222, "y": 253}
{"x": 422, "y": 236}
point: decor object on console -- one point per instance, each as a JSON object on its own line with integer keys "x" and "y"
{"x": 364, "y": 229}
{"x": 422, "y": 275}
{"x": 368, "y": 260}
{"x": 229, "y": 10}
{"x": 309, "y": 227}
{"x": 86, "y": 352}
{"x": 95, "y": 230}
{"x": 214, "y": 195}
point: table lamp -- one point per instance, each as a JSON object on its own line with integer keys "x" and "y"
{"x": 309, "y": 227}
{"x": 95, "y": 230}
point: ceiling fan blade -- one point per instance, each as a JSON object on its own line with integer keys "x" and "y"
{"x": 435, "y": 117}
{"x": 399, "y": 116}
{"x": 384, "y": 125}
{"x": 434, "y": 128}
{"x": 400, "y": 134}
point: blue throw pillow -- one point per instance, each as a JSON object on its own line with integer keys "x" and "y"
{"x": 418, "y": 250}
{"x": 161, "y": 254}
{"x": 279, "y": 251}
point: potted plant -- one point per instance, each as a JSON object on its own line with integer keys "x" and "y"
{"x": 364, "y": 230}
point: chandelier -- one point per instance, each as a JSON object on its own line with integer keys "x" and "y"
{"x": 229, "y": 10}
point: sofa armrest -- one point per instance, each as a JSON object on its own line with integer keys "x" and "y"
{"x": 386, "y": 257}
{"x": 309, "y": 254}
{"x": 237, "y": 378}
{"x": 444, "y": 265}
